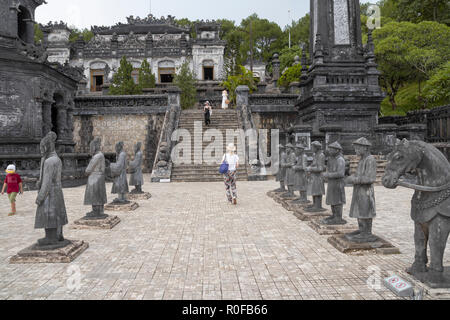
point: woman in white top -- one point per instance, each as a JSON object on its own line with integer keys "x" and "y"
{"x": 230, "y": 177}
{"x": 224, "y": 99}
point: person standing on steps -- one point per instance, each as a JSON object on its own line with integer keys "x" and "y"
{"x": 225, "y": 100}
{"x": 208, "y": 112}
{"x": 230, "y": 177}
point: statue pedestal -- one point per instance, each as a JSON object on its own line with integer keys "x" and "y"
{"x": 290, "y": 205}
{"x": 139, "y": 196}
{"x": 303, "y": 215}
{"x": 121, "y": 207}
{"x": 434, "y": 281}
{"x": 107, "y": 223}
{"x": 34, "y": 254}
{"x": 436, "y": 288}
{"x": 329, "y": 229}
{"x": 380, "y": 246}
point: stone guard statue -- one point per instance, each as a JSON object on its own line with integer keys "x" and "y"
{"x": 136, "y": 178}
{"x": 281, "y": 170}
{"x": 95, "y": 194}
{"x": 430, "y": 205}
{"x": 51, "y": 211}
{"x": 316, "y": 186}
{"x": 119, "y": 173}
{"x": 336, "y": 185}
{"x": 363, "y": 200}
{"x": 300, "y": 174}
{"x": 290, "y": 173}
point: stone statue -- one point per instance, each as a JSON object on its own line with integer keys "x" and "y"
{"x": 289, "y": 179}
{"x": 316, "y": 186}
{"x": 336, "y": 184}
{"x": 300, "y": 174}
{"x": 281, "y": 170}
{"x": 119, "y": 173}
{"x": 95, "y": 194}
{"x": 51, "y": 211}
{"x": 430, "y": 205}
{"x": 136, "y": 178}
{"x": 363, "y": 200}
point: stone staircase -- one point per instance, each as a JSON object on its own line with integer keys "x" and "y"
{"x": 221, "y": 120}
{"x": 381, "y": 166}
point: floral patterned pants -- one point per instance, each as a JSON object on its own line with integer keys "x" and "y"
{"x": 230, "y": 185}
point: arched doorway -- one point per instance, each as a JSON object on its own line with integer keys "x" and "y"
{"x": 25, "y": 29}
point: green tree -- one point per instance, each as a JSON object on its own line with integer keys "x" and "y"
{"x": 146, "y": 77}
{"x": 123, "y": 83}
{"x": 244, "y": 77}
{"x": 185, "y": 80}
{"x": 299, "y": 31}
{"x": 38, "y": 34}
{"x": 261, "y": 35}
{"x": 287, "y": 56}
{"x": 85, "y": 34}
{"x": 437, "y": 89}
{"x": 409, "y": 52}
{"x": 292, "y": 74}
{"x": 233, "y": 56}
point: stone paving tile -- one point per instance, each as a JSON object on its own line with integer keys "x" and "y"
{"x": 187, "y": 242}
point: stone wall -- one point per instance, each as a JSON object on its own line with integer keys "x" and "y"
{"x": 114, "y": 128}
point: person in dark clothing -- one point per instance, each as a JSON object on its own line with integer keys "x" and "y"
{"x": 208, "y": 110}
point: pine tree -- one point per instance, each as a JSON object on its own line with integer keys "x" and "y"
{"x": 185, "y": 80}
{"x": 146, "y": 77}
{"x": 123, "y": 83}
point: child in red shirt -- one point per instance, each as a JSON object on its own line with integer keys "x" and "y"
{"x": 14, "y": 184}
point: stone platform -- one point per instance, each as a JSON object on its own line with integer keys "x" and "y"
{"x": 277, "y": 197}
{"x": 122, "y": 207}
{"x": 324, "y": 229}
{"x": 380, "y": 246}
{"x": 308, "y": 216}
{"x": 430, "y": 287}
{"x": 107, "y": 223}
{"x": 62, "y": 255}
{"x": 139, "y": 196}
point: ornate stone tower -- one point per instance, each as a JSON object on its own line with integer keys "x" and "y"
{"x": 340, "y": 90}
{"x": 35, "y": 96}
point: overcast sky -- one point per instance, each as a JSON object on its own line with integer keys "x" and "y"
{"x": 85, "y": 13}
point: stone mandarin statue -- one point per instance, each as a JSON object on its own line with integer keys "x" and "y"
{"x": 281, "y": 170}
{"x": 290, "y": 173}
{"x": 300, "y": 174}
{"x": 51, "y": 211}
{"x": 136, "y": 178}
{"x": 95, "y": 194}
{"x": 316, "y": 185}
{"x": 363, "y": 200}
{"x": 336, "y": 184}
{"x": 119, "y": 173}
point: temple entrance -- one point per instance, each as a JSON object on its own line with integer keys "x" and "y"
{"x": 97, "y": 80}
{"x": 166, "y": 75}
{"x": 208, "y": 73}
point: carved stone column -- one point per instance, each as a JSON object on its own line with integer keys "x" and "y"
{"x": 242, "y": 96}
{"x": 276, "y": 68}
{"x": 61, "y": 119}
{"x": 46, "y": 117}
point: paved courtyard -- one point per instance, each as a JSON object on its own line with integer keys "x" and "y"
{"x": 187, "y": 242}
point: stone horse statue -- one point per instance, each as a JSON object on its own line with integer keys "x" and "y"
{"x": 430, "y": 205}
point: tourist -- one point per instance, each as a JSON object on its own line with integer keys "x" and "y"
{"x": 14, "y": 184}
{"x": 225, "y": 100}
{"x": 208, "y": 112}
{"x": 230, "y": 177}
